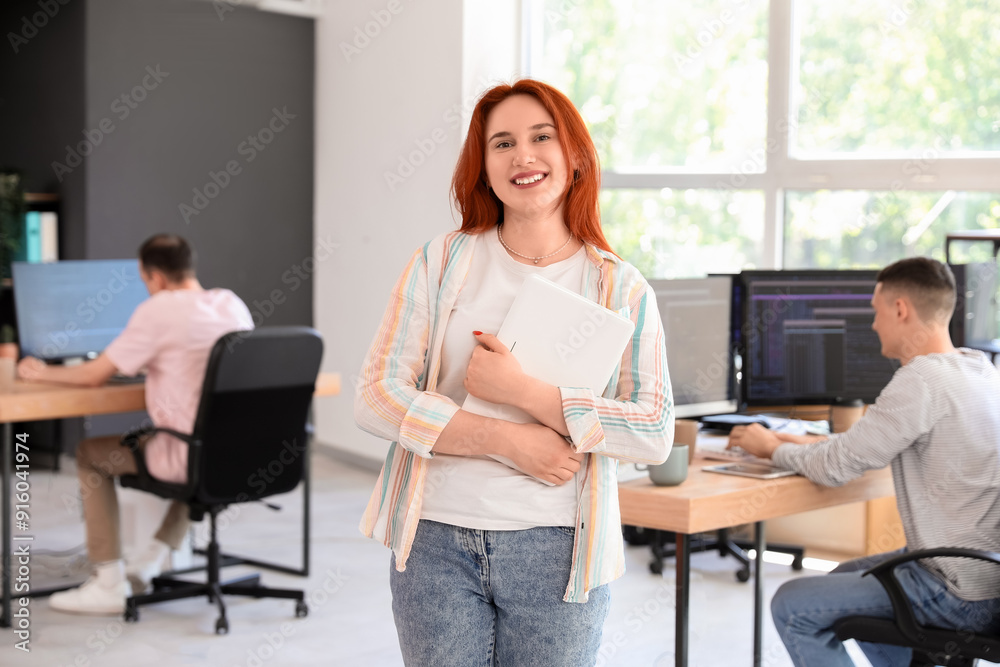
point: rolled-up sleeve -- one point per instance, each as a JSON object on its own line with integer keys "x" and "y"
{"x": 903, "y": 412}
{"x": 389, "y": 401}
{"x": 638, "y": 424}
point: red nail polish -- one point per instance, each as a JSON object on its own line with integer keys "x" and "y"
{"x": 477, "y": 333}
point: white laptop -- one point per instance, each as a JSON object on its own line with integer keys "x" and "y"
{"x": 561, "y": 338}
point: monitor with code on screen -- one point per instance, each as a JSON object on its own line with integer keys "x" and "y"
{"x": 807, "y": 337}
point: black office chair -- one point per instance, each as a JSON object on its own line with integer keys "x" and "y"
{"x": 931, "y": 646}
{"x": 254, "y": 404}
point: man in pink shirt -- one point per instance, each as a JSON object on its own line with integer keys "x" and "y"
{"x": 170, "y": 335}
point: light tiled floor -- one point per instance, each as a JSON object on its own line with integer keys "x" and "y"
{"x": 350, "y": 620}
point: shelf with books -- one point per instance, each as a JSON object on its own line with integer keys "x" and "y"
{"x": 41, "y": 228}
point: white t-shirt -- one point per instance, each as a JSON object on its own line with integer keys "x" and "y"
{"x": 171, "y": 334}
{"x": 477, "y": 491}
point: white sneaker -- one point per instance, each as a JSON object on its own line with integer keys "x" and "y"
{"x": 141, "y": 570}
{"x": 93, "y": 597}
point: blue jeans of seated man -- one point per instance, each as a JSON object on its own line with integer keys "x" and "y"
{"x": 804, "y": 611}
{"x": 493, "y": 598}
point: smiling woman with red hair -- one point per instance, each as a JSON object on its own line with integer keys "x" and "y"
{"x": 499, "y": 563}
{"x": 481, "y": 209}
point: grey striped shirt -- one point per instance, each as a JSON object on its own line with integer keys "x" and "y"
{"x": 937, "y": 423}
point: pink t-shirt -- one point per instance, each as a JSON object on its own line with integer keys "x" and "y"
{"x": 171, "y": 335}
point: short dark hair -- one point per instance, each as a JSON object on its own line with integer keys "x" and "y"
{"x": 170, "y": 254}
{"x": 929, "y": 284}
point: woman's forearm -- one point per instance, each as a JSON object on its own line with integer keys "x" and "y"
{"x": 543, "y": 402}
{"x": 469, "y": 434}
{"x": 534, "y": 449}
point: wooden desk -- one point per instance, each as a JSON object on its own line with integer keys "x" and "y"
{"x": 30, "y": 401}
{"x": 709, "y": 501}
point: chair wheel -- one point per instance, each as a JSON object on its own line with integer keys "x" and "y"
{"x": 743, "y": 576}
{"x": 222, "y": 626}
{"x": 131, "y": 615}
{"x": 656, "y": 567}
{"x": 301, "y": 609}
{"x": 797, "y": 563}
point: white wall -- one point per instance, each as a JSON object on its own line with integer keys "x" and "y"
{"x": 390, "y": 95}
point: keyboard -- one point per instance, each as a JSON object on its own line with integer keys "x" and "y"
{"x": 730, "y": 455}
{"x": 126, "y": 379}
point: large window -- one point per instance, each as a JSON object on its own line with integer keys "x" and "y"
{"x": 784, "y": 133}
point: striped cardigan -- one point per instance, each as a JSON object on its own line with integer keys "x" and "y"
{"x": 396, "y": 400}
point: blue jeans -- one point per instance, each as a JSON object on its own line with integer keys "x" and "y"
{"x": 804, "y": 611}
{"x": 493, "y": 598}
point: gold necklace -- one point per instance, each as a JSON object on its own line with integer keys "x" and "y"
{"x": 533, "y": 259}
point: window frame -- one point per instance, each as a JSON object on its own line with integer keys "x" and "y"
{"x": 923, "y": 169}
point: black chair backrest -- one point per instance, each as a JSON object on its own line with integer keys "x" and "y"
{"x": 251, "y": 421}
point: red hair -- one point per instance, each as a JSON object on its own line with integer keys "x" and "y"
{"x": 481, "y": 209}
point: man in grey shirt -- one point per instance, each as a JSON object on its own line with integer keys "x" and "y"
{"x": 937, "y": 423}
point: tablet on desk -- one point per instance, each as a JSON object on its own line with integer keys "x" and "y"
{"x": 755, "y": 470}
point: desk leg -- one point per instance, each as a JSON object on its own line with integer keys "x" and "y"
{"x": 682, "y": 604}
{"x": 758, "y": 593}
{"x": 8, "y": 455}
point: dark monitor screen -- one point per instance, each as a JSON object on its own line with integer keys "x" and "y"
{"x": 696, "y": 320}
{"x": 74, "y": 308}
{"x": 806, "y": 337}
{"x": 974, "y": 323}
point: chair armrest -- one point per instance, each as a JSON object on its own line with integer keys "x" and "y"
{"x": 131, "y": 440}
{"x": 885, "y": 572}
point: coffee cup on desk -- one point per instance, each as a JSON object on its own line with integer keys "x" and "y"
{"x": 671, "y": 472}
{"x": 8, "y": 365}
{"x": 844, "y": 414}
{"x": 8, "y": 372}
{"x": 686, "y": 433}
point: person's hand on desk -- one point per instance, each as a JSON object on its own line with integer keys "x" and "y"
{"x": 89, "y": 374}
{"x": 761, "y": 442}
{"x": 755, "y": 439}
{"x": 31, "y": 368}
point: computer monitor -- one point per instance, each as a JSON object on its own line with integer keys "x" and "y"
{"x": 74, "y": 308}
{"x": 696, "y": 316}
{"x": 974, "y": 323}
{"x": 806, "y": 338}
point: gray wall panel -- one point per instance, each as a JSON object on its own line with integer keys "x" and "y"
{"x": 219, "y": 83}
